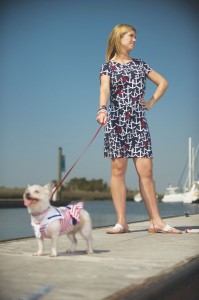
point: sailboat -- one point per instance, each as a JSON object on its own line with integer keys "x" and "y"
{"x": 191, "y": 195}
{"x": 190, "y": 191}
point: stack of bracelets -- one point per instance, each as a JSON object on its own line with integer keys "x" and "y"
{"x": 102, "y": 110}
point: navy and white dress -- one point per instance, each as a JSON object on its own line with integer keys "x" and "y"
{"x": 126, "y": 132}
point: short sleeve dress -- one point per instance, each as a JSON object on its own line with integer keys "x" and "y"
{"x": 126, "y": 132}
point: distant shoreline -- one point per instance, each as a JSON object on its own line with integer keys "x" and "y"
{"x": 14, "y": 200}
{"x": 13, "y": 197}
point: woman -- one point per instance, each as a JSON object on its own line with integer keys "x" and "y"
{"x": 126, "y": 130}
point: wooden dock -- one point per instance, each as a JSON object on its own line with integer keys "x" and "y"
{"x": 136, "y": 265}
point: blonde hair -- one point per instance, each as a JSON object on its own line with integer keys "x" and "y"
{"x": 113, "y": 45}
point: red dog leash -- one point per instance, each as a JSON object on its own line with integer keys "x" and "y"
{"x": 60, "y": 183}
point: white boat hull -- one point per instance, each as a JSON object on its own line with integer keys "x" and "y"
{"x": 193, "y": 194}
{"x": 173, "y": 198}
{"x": 172, "y": 195}
{"x": 138, "y": 197}
{"x": 185, "y": 197}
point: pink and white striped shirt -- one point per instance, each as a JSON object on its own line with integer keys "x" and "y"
{"x": 68, "y": 216}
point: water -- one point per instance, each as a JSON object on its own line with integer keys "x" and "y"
{"x": 15, "y": 222}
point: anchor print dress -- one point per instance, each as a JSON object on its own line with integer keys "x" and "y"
{"x": 126, "y": 132}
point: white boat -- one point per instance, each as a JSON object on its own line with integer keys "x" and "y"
{"x": 190, "y": 191}
{"x": 193, "y": 194}
{"x": 137, "y": 197}
{"x": 172, "y": 194}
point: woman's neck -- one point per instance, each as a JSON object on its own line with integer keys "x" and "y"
{"x": 122, "y": 57}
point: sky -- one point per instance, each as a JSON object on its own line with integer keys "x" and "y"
{"x": 50, "y": 57}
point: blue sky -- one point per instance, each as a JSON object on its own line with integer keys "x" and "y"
{"x": 50, "y": 56}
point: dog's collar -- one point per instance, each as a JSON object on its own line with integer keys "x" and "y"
{"x": 36, "y": 214}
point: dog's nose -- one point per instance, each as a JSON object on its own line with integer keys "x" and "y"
{"x": 27, "y": 194}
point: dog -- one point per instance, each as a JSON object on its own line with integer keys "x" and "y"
{"x": 49, "y": 221}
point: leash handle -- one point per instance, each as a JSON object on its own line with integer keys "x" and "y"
{"x": 60, "y": 183}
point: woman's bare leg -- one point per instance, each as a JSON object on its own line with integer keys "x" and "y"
{"x": 118, "y": 188}
{"x": 144, "y": 167}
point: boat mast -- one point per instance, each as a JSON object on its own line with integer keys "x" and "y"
{"x": 193, "y": 165}
{"x": 194, "y": 162}
{"x": 190, "y": 164}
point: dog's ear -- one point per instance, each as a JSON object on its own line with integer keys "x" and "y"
{"x": 49, "y": 186}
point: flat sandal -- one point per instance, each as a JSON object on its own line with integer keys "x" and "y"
{"x": 117, "y": 229}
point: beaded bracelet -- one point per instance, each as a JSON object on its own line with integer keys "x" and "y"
{"x": 102, "y": 111}
{"x": 102, "y": 108}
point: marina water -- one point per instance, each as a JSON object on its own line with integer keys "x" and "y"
{"x": 15, "y": 222}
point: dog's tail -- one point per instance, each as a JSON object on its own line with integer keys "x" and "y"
{"x": 85, "y": 220}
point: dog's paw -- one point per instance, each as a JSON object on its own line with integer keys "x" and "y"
{"x": 89, "y": 251}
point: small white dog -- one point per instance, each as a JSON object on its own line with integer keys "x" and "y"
{"x": 50, "y": 222}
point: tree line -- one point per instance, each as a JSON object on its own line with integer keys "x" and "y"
{"x": 83, "y": 184}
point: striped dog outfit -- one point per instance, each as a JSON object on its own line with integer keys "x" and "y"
{"x": 68, "y": 216}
